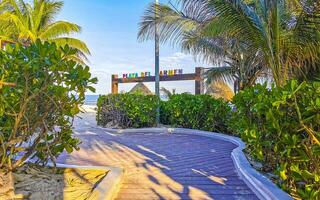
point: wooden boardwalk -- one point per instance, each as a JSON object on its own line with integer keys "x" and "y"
{"x": 162, "y": 166}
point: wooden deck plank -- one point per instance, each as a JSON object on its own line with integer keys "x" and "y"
{"x": 162, "y": 166}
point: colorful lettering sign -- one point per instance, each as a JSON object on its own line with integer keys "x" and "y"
{"x": 172, "y": 72}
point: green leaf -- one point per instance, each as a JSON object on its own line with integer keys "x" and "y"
{"x": 307, "y": 175}
{"x": 69, "y": 149}
{"x": 75, "y": 110}
{"x": 283, "y": 174}
{"x": 92, "y": 89}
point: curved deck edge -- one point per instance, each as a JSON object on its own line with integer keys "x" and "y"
{"x": 109, "y": 187}
{"x": 263, "y": 187}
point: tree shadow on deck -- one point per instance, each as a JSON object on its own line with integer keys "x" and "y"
{"x": 164, "y": 166}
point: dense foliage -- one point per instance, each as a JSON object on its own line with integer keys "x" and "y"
{"x": 127, "y": 110}
{"x": 37, "y": 105}
{"x": 282, "y": 129}
{"x": 196, "y": 112}
{"x": 183, "y": 110}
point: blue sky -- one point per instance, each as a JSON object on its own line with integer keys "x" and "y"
{"x": 110, "y": 30}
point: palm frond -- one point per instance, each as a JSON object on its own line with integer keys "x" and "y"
{"x": 37, "y": 16}
{"x": 225, "y": 74}
{"x": 72, "y": 42}
{"x": 51, "y": 9}
{"x": 235, "y": 19}
{"x": 173, "y": 23}
{"x": 78, "y": 58}
{"x": 9, "y": 18}
{"x": 59, "y": 28}
{"x": 207, "y": 49}
{"x": 4, "y": 6}
{"x": 24, "y": 23}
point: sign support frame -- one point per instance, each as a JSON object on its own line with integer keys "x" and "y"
{"x": 197, "y": 77}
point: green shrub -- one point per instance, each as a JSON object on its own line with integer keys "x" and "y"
{"x": 196, "y": 112}
{"x": 37, "y": 108}
{"x": 127, "y": 110}
{"x": 281, "y": 127}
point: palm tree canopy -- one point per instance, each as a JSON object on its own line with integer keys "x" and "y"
{"x": 283, "y": 36}
{"x": 288, "y": 40}
{"x": 25, "y": 22}
{"x": 179, "y": 24}
{"x": 183, "y": 24}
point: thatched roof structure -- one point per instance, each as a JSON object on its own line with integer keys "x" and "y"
{"x": 140, "y": 88}
{"x": 220, "y": 89}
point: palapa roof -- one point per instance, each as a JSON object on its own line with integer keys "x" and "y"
{"x": 140, "y": 88}
{"x": 220, "y": 89}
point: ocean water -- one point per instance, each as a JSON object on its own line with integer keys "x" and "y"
{"x": 91, "y": 100}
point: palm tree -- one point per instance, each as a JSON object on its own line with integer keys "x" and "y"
{"x": 25, "y": 23}
{"x": 248, "y": 39}
{"x": 182, "y": 24}
{"x": 286, "y": 33}
{"x": 241, "y": 67}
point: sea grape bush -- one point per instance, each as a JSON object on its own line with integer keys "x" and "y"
{"x": 183, "y": 110}
{"x": 38, "y": 107}
{"x": 196, "y": 112}
{"x": 127, "y": 110}
{"x": 281, "y": 127}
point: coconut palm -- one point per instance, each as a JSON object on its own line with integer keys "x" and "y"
{"x": 281, "y": 36}
{"x": 25, "y": 23}
{"x": 183, "y": 24}
{"x": 243, "y": 72}
{"x": 242, "y": 68}
{"x": 287, "y": 42}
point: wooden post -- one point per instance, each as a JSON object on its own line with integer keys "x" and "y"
{"x": 199, "y": 82}
{"x": 115, "y": 84}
